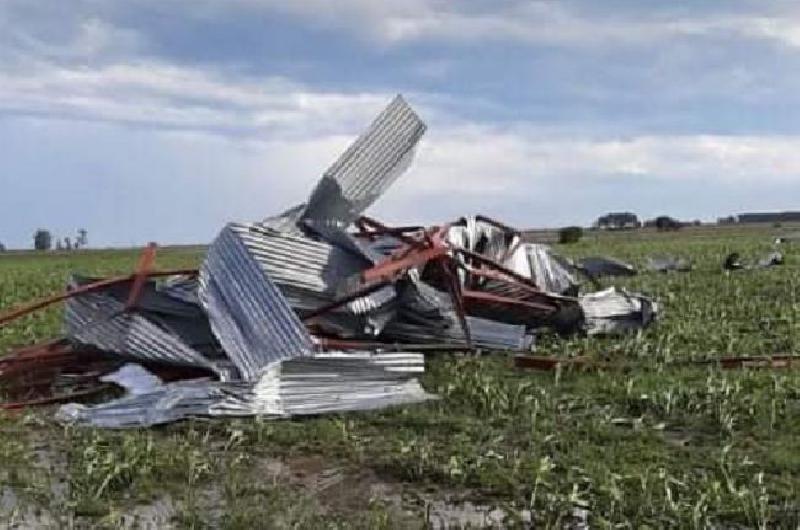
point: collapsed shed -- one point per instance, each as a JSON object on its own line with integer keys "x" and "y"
{"x": 318, "y": 309}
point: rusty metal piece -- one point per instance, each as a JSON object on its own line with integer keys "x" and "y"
{"x": 364, "y": 291}
{"x": 538, "y": 362}
{"x": 451, "y": 281}
{"x": 769, "y": 361}
{"x": 145, "y": 265}
{"x": 31, "y": 307}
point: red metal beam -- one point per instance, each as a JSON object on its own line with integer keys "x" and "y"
{"x": 388, "y": 269}
{"x": 484, "y": 297}
{"x": 344, "y": 300}
{"x": 143, "y": 268}
{"x": 23, "y": 310}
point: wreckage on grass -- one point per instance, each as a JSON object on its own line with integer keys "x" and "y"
{"x": 317, "y": 310}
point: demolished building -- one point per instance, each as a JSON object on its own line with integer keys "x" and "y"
{"x": 318, "y": 309}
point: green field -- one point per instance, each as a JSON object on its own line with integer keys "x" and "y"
{"x": 661, "y": 444}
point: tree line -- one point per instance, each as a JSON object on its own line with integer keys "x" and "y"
{"x": 43, "y": 240}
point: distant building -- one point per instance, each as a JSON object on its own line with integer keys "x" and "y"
{"x": 618, "y": 221}
{"x": 768, "y": 217}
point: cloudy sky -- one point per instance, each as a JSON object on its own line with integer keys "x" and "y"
{"x": 162, "y": 119}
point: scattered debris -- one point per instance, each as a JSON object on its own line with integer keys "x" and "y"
{"x": 317, "y": 310}
{"x": 793, "y": 238}
{"x": 615, "y": 311}
{"x": 668, "y": 263}
{"x": 770, "y": 260}
{"x": 597, "y": 267}
{"x": 545, "y": 363}
{"x": 733, "y": 261}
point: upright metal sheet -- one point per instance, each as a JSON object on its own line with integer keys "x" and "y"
{"x": 249, "y": 316}
{"x": 368, "y": 167}
{"x": 548, "y": 270}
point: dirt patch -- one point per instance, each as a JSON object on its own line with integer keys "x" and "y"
{"x": 343, "y": 490}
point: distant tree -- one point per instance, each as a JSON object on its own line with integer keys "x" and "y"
{"x": 83, "y": 239}
{"x": 2, "y": 247}
{"x": 59, "y": 245}
{"x": 570, "y": 234}
{"x": 67, "y": 243}
{"x": 42, "y": 239}
{"x": 665, "y": 223}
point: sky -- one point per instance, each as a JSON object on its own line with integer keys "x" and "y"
{"x": 161, "y": 120}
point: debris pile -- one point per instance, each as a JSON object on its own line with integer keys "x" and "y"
{"x": 319, "y": 309}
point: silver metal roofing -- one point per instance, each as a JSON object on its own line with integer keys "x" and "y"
{"x": 248, "y": 314}
{"x": 613, "y": 311}
{"x": 101, "y": 321}
{"x": 181, "y": 288}
{"x": 308, "y": 272}
{"x": 548, "y": 270}
{"x": 367, "y": 168}
{"x": 484, "y": 333}
{"x": 331, "y": 382}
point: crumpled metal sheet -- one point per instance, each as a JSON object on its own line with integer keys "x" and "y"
{"x": 668, "y": 263}
{"x": 248, "y": 314}
{"x": 324, "y": 383}
{"x": 481, "y": 237}
{"x": 770, "y": 260}
{"x": 613, "y": 311}
{"x": 484, "y": 333}
{"x": 307, "y": 271}
{"x": 601, "y": 266}
{"x": 181, "y": 288}
{"x": 367, "y": 168}
{"x": 100, "y": 320}
{"x": 427, "y": 315}
{"x": 549, "y": 271}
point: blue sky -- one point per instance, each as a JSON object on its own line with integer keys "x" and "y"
{"x": 162, "y": 119}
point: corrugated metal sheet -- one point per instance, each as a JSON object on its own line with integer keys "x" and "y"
{"x": 332, "y": 382}
{"x": 100, "y": 320}
{"x": 548, "y": 270}
{"x": 599, "y": 266}
{"x": 308, "y": 272}
{"x": 613, "y": 311}
{"x": 484, "y": 333}
{"x": 181, "y": 288}
{"x": 286, "y": 221}
{"x": 249, "y": 316}
{"x": 367, "y": 168}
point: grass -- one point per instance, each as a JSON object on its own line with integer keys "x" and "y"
{"x": 660, "y": 445}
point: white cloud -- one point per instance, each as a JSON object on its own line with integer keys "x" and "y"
{"x": 482, "y": 161}
{"x": 164, "y": 95}
{"x": 538, "y": 21}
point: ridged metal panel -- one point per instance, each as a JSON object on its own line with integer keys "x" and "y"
{"x": 483, "y": 332}
{"x": 248, "y": 314}
{"x": 181, "y": 288}
{"x": 614, "y": 311}
{"x": 308, "y": 271}
{"x": 599, "y": 266}
{"x": 323, "y": 383}
{"x": 101, "y": 321}
{"x": 368, "y": 167}
{"x": 549, "y": 271}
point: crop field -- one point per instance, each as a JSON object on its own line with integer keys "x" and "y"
{"x": 660, "y": 442}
